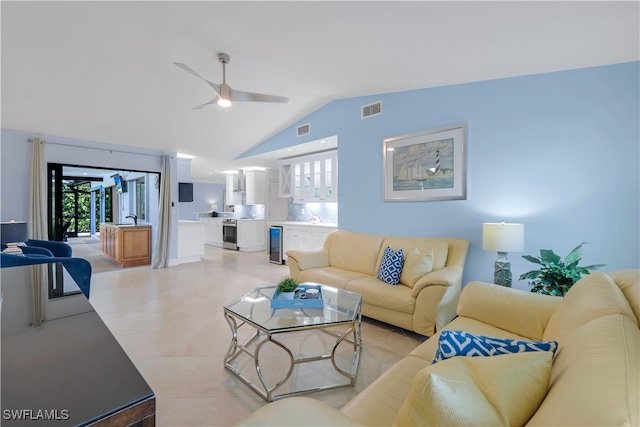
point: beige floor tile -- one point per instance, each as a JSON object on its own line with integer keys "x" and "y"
{"x": 170, "y": 322}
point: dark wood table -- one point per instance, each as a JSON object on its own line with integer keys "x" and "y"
{"x": 71, "y": 370}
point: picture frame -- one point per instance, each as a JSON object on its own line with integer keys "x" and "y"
{"x": 426, "y": 166}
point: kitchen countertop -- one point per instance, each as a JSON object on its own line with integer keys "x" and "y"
{"x": 237, "y": 219}
{"x": 305, "y": 224}
{"x": 125, "y": 224}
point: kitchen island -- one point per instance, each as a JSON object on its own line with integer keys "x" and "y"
{"x": 127, "y": 245}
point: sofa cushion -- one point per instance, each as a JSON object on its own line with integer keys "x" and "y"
{"x": 331, "y": 276}
{"x": 595, "y": 379}
{"x": 440, "y": 248}
{"x": 390, "y": 267}
{"x": 461, "y": 343}
{"x": 501, "y": 390}
{"x": 352, "y": 251}
{"x": 379, "y": 403}
{"x": 416, "y": 265}
{"x": 593, "y": 296}
{"x": 629, "y": 283}
{"x": 378, "y": 293}
{"x": 522, "y": 313}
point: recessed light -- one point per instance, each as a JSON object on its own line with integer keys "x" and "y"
{"x": 185, "y": 156}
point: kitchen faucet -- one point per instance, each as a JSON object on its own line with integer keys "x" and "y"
{"x": 134, "y": 217}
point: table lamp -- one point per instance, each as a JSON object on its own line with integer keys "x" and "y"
{"x": 502, "y": 237}
{"x": 13, "y": 233}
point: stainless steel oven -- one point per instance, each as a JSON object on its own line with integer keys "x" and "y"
{"x": 230, "y": 234}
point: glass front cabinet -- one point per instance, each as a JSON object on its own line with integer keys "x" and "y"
{"x": 310, "y": 178}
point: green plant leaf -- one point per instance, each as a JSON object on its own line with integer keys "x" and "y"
{"x": 556, "y": 276}
{"x": 574, "y": 255}
{"x": 549, "y": 256}
{"x": 530, "y": 274}
{"x": 531, "y": 259}
{"x": 594, "y": 266}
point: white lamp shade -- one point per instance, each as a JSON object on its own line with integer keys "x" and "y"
{"x": 214, "y": 206}
{"x": 503, "y": 237}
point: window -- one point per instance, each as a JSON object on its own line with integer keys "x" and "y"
{"x": 138, "y": 199}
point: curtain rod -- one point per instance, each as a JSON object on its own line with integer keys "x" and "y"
{"x": 93, "y": 148}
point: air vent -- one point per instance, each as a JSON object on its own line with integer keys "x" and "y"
{"x": 372, "y": 110}
{"x": 303, "y": 130}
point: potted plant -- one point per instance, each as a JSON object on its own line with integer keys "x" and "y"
{"x": 555, "y": 276}
{"x": 287, "y": 287}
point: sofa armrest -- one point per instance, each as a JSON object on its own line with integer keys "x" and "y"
{"x": 302, "y": 260}
{"x": 516, "y": 311}
{"x": 297, "y": 411}
{"x": 447, "y": 276}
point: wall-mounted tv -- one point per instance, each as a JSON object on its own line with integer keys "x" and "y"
{"x": 185, "y": 192}
{"x": 121, "y": 184}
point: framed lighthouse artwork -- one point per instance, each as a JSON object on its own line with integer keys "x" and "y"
{"x": 425, "y": 166}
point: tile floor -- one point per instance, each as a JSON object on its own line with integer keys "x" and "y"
{"x": 170, "y": 322}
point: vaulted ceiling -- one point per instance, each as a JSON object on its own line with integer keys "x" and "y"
{"x": 102, "y": 71}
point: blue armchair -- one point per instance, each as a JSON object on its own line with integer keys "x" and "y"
{"x": 46, "y": 252}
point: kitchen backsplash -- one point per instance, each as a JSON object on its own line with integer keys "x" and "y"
{"x": 327, "y": 212}
{"x": 248, "y": 211}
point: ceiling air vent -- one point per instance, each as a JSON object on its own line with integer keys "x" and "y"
{"x": 372, "y": 110}
{"x": 303, "y": 130}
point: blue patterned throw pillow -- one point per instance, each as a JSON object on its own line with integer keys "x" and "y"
{"x": 390, "y": 268}
{"x": 460, "y": 343}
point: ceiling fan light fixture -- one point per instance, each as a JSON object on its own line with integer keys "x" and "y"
{"x": 225, "y": 95}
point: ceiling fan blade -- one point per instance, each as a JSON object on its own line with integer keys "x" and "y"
{"x": 240, "y": 96}
{"x": 214, "y": 86}
{"x": 213, "y": 101}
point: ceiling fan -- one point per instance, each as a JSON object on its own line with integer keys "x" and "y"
{"x": 224, "y": 94}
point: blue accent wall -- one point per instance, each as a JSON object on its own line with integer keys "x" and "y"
{"x": 558, "y": 152}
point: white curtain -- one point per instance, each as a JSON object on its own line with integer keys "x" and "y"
{"x": 161, "y": 255}
{"x": 37, "y": 226}
{"x": 37, "y": 208}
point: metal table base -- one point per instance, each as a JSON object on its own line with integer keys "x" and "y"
{"x": 262, "y": 336}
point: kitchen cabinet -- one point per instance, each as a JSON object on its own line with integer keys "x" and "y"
{"x": 212, "y": 231}
{"x": 310, "y": 178}
{"x": 303, "y": 237}
{"x": 190, "y": 241}
{"x": 255, "y": 186}
{"x": 126, "y": 245}
{"x": 285, "y": 179}
{"x": 232, "y": 196}
{"x": 251, "y": 235}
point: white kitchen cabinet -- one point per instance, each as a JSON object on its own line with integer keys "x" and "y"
{"x": 255, "y": 185}
{"x": 303, "y": 237}
{"x": 319, "y": 235}
{"x": 312, "y": 178}
{"x": 251, "y": 235}
{"x": 232, "y": 196}
{"x": 285, "y": 178}
{"x": 190, "y": 241}
{"x": 212, "y": 231}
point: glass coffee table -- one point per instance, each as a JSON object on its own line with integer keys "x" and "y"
{"x": 272, "y": 350}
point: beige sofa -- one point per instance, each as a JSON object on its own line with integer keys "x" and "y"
{"x": 426, "y": 298}
{"x": 593, "y": 379}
